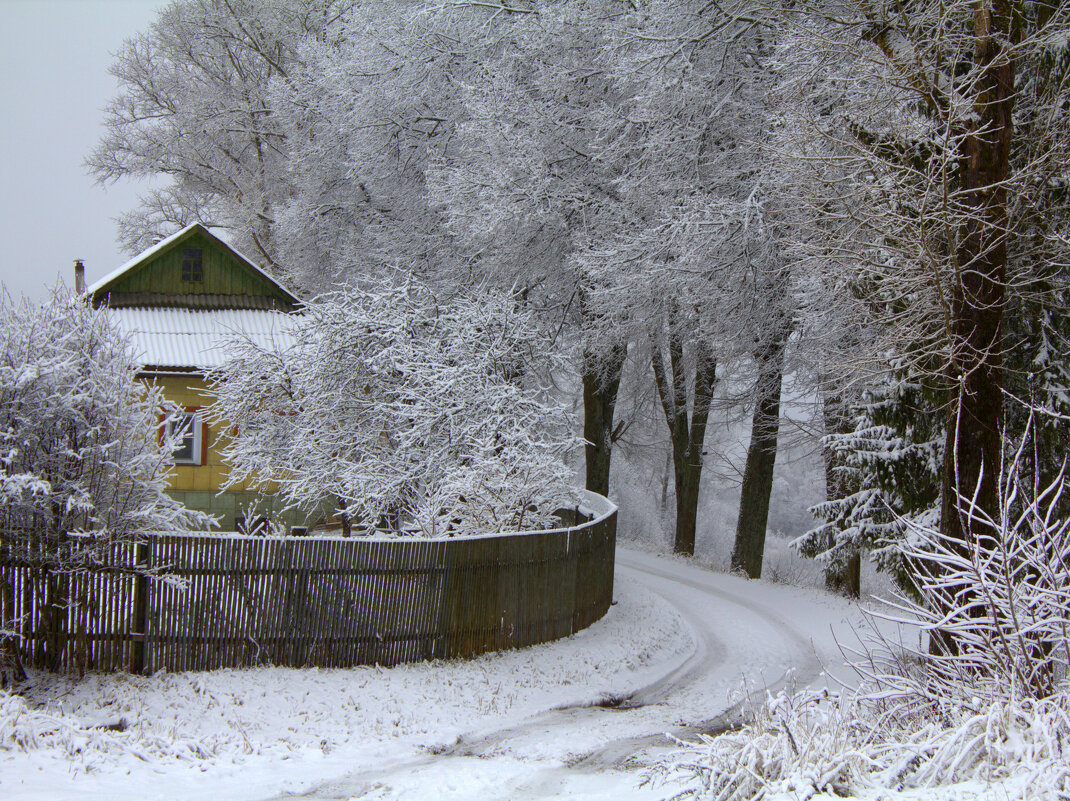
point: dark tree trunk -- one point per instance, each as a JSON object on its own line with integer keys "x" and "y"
{"x": 686, "y": 437}
{"x": 846, "y": 579}
{"x": 12, "y": 672}
{"x": 141, "y": 607}
{"x": 973, "y": 441}
{"x": 844, "y": 575}
{"x": 53, "y": 614}
{"x": 601, "y": 381}
{"x": 54, "y": 619}
{"x": 11, "y": 669}
{"x": 343, "y": 516}
{"x": 757, "y": 486}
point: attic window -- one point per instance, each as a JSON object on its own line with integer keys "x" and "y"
{"x": 192, "y": 265}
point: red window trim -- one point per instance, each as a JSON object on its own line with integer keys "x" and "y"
{"x": 204, "y": 434}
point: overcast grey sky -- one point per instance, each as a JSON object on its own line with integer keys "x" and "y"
{"x": 54, "y": 58}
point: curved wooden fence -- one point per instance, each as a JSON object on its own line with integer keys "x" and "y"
{"x": 230, "y": 600}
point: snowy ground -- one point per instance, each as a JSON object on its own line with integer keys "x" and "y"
{"x": 681, "y": 648}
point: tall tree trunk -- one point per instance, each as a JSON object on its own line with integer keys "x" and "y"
{"x": 757, "y": 486}
{"x": 601, "y": 381}
{"x": 687, "y": 437}
{"x": 846, "y": 579}
{"x": 973, "y": 441}
{"x": 53, "y": 612}
{"x": 54, "y": 618}
{"x": 11, "y": 668}
{"x": 844, "y": 575}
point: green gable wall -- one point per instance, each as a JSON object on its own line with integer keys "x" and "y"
{"x": 222, "y": 274}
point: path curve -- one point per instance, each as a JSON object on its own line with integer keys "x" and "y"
{"x": 749, "y": 638}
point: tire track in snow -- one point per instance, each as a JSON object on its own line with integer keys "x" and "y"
{"x": 703, "y": 581}
{"x": 728, "y": 630}
{"x": 667, "y": 579}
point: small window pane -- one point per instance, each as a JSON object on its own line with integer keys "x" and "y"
{"x": 188, "y": 451}
{"x": 192, "y": 265}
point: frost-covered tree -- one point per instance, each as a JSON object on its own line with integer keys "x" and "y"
{"x": 527, "y": 184}
{"x": 414, "y": 411}
{"x": 85, "y": 453}
{"x": 194, "y": 107}
{"x": 884, "y": 450}
{"x": 691, "y": 264}
{"x": 366, "y": 116}
{"x": 521, "y": 144}
{"x": 885, "y": 460}
{"x": 432, "y": 137}
{"x": 934, "y": 144}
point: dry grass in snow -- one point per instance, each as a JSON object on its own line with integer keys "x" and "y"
{"x": 803, "y": 746}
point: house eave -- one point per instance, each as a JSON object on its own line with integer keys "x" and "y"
{"x": 165, "y": 371}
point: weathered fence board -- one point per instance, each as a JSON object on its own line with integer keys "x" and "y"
{"x": 218, "y": 601}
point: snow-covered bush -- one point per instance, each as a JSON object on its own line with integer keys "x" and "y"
{"x": 84, "y": 457}
{"x": 993, "y": 707}
{"x": 415, "y": 413}
{"x": 1002, "y": 601}
{"x": 82, "y": 445}
{"x": 801, "y": 745}
{"x": 795, "y": 743}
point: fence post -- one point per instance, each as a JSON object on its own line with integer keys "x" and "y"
{"x": 142, "y": 563}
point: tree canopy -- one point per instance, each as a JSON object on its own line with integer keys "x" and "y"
{"x": 417, "y": 412}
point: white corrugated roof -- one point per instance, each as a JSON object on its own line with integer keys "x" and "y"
{"x": 199, "y": 338}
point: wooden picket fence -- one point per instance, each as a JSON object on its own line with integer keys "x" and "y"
{"x": 231, "y": 600}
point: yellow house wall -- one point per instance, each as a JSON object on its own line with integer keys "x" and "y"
{"x": 199, "y": 486}
{"x": 190, "y": 391}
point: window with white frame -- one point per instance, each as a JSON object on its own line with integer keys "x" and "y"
{"x": 187, "y": 425}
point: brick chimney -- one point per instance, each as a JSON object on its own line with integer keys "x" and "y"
{"x": 79, "y": 276}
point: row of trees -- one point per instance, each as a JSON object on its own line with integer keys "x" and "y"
{"x": 603, "y": 160}
{"x": 867, "y": 196}
{"x": 936, "y": 154}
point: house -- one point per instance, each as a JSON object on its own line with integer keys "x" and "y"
{"x": 181, "y": 302}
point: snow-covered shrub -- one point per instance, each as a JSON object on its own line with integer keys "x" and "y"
{"x": 800, "y": 745}
{"x": 84, "y": 457}
{"x": 415, "y": 413}
{"x": 997, "y": 608}
{"x": 993, "y": 706}
{"x": 796, "y": 742}
{"x": 82, "y": 445}
{"x": 25, "y": 728}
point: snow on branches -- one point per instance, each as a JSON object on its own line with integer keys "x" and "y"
{"x": 82, "y": 448}
{"x": 994, "y": 710}
{"x": 886, "y": 469}
{"x": 418, "y": 413}
{"x": 194, "y": 105}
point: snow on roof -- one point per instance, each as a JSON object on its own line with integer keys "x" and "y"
{"x": 166, "y": 242}
{"x": 198, "y": 339}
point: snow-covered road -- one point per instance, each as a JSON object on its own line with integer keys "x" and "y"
{"x": 579, "y": 718}
{"x": 747, "y": 637}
